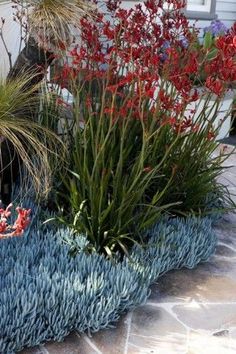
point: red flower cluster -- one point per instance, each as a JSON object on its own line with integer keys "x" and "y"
{"x": 142, "y": 53}
{"x": 21, "y": 223}
{"x": 222, "y": 69}
{"x": 215, "y": 85}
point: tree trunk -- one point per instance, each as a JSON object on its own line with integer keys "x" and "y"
{"x": 32, "y": 59}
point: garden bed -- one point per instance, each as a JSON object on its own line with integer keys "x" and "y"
{"x": 117, "y": 164}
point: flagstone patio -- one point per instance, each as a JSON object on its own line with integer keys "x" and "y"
{"x": 188, "y": 311}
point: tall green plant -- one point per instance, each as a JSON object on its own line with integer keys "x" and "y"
{"x": 106, "y": 186}
{"x": 136, "y": 148}
{"x": 124, "y": 173}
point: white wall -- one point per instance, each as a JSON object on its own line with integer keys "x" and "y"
{"x": 11, "y": 35}
{"x": 225, "y": 11}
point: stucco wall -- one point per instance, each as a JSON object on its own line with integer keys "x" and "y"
{"x": 11, "y": 34}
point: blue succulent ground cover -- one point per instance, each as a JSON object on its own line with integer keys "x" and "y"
{"x": 45, "y": 293}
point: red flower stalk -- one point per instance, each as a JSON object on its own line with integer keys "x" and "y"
{"x": 215, "y": 85}
{"x": 210, "y": 135}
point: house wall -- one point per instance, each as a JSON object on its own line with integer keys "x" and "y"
{"x": 225, "y": 11}
{"x": 11, "y": 32}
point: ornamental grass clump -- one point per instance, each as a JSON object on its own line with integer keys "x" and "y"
{"x": 136, "y": 149}
{"x": 50, "y": 22}
{"x": 24, "y": 142}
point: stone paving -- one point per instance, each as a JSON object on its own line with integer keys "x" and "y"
{"x": 188, "y": 312}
